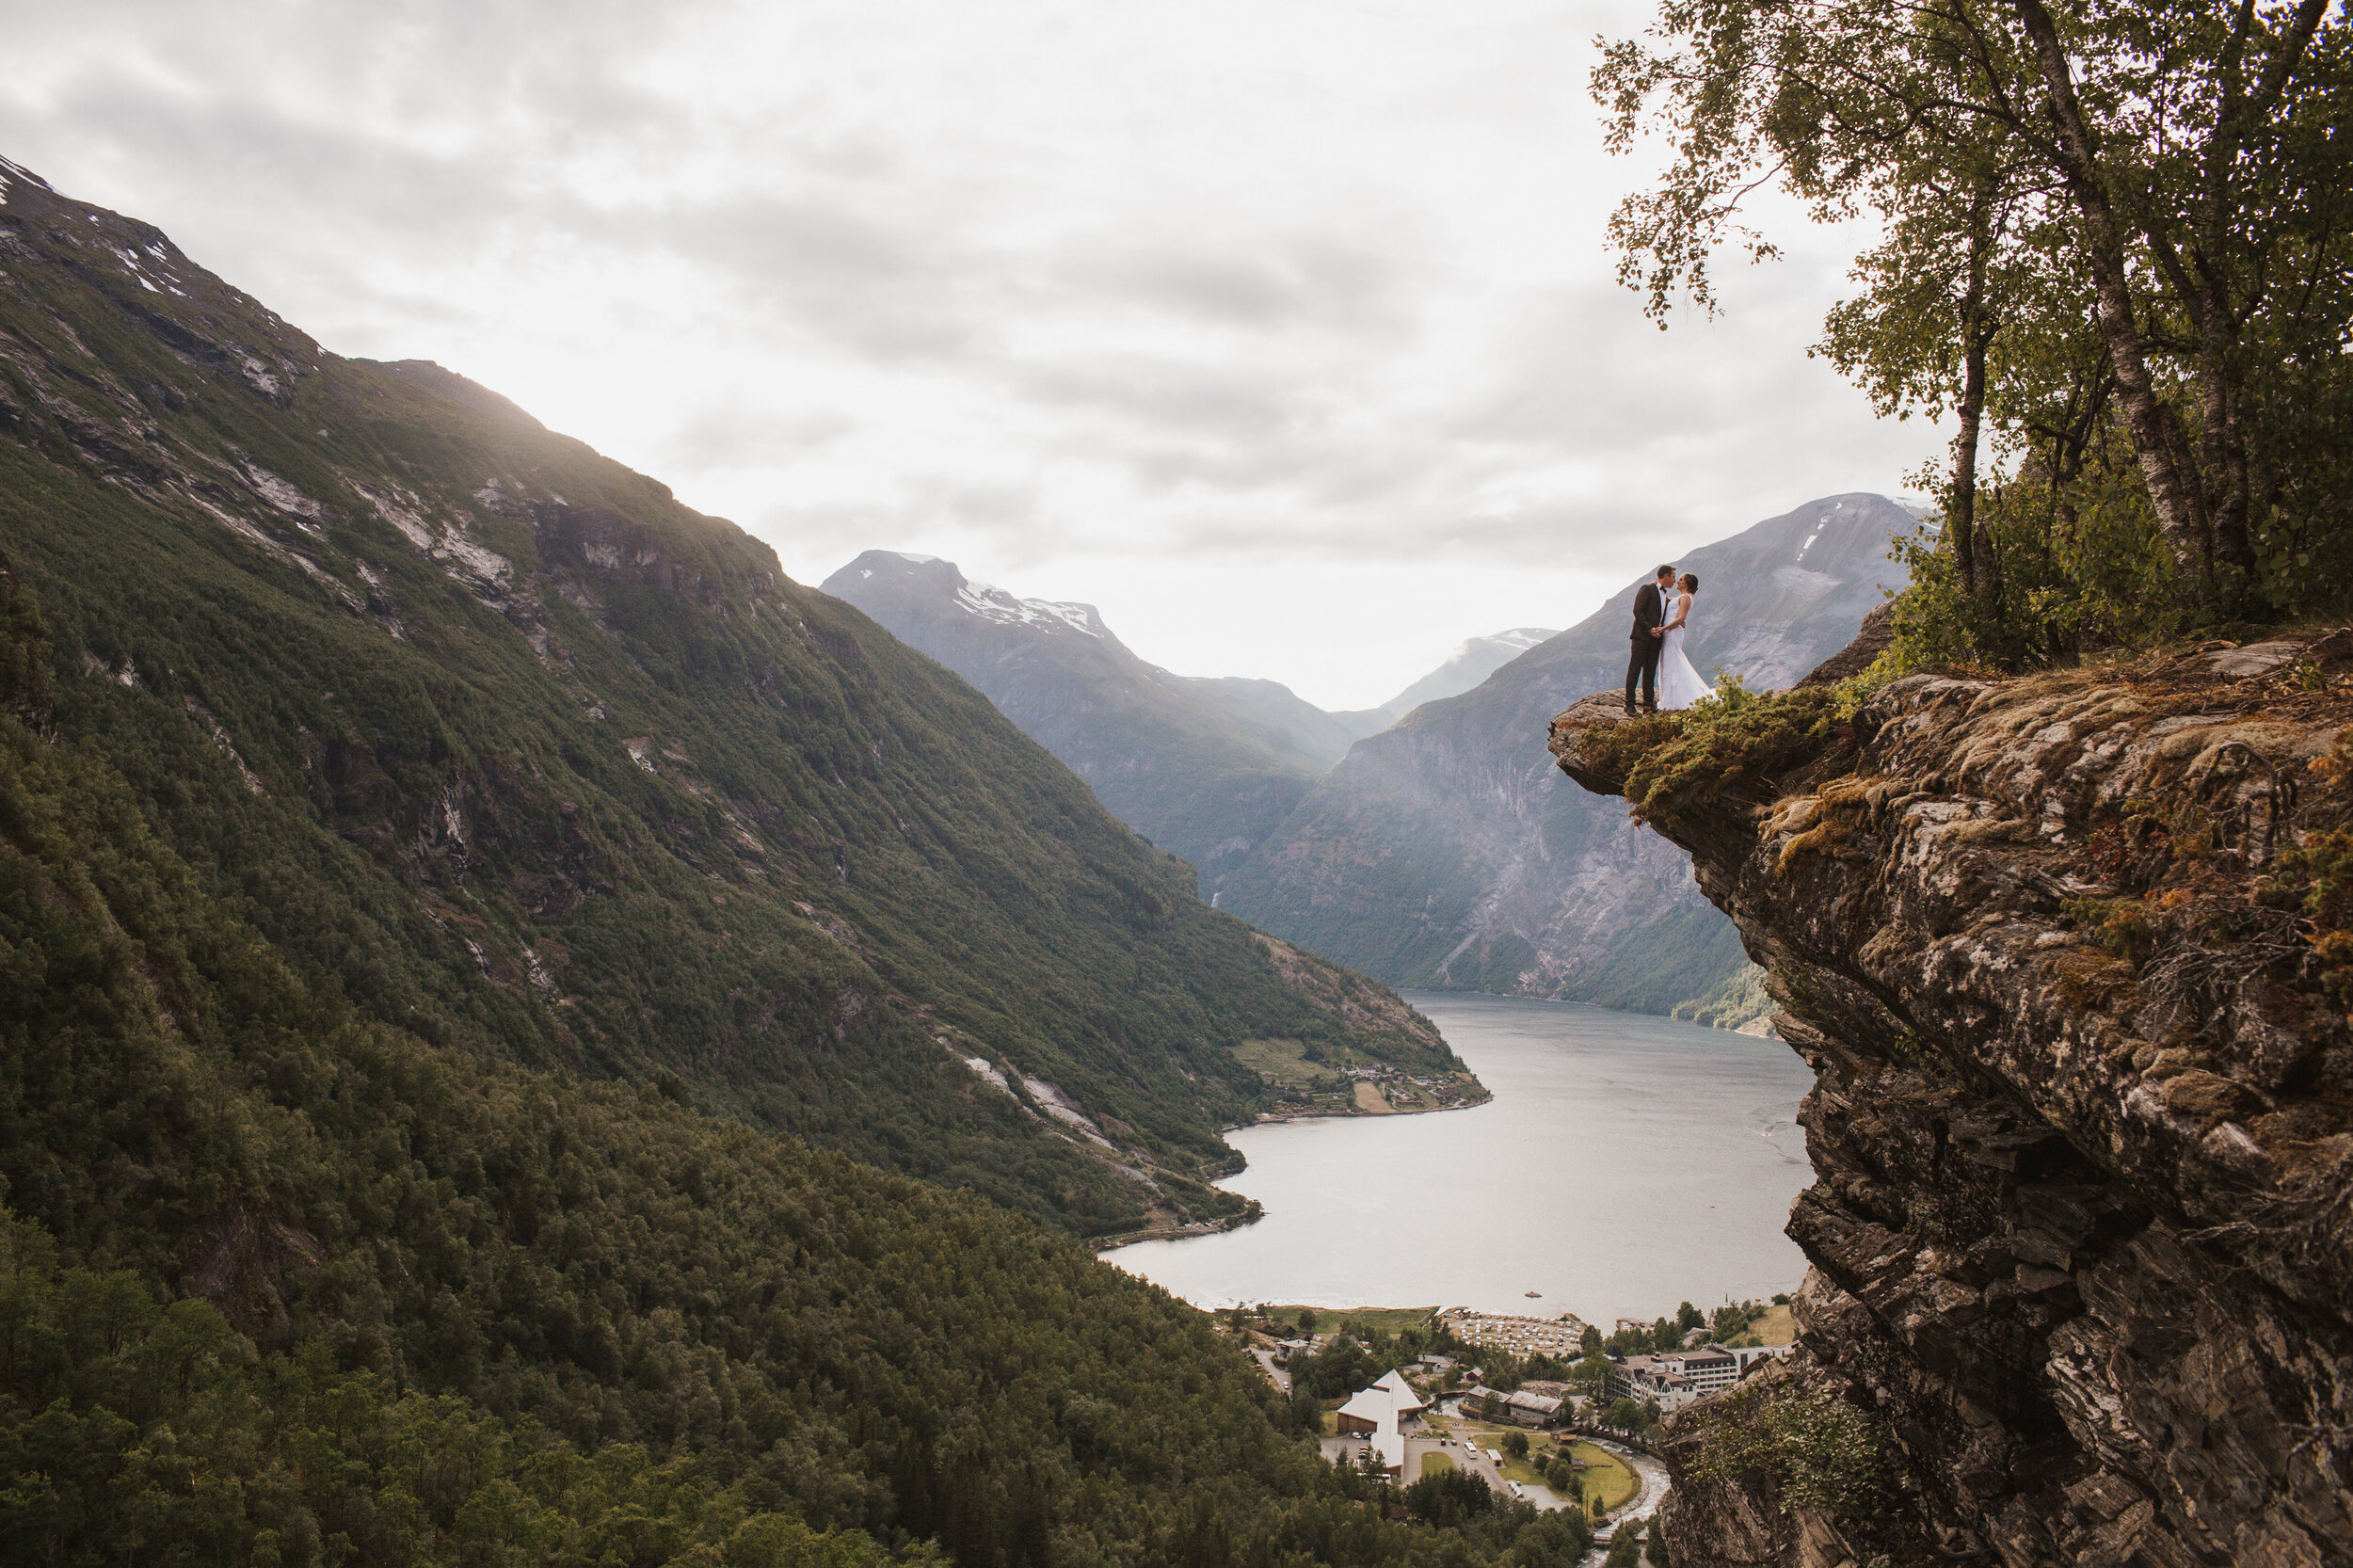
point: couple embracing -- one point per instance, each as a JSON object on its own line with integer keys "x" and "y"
{"x": 1661, "y": 608}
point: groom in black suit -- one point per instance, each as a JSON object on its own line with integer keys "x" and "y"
{"x": 1650, "y": 610}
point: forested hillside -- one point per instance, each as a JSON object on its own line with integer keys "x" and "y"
{"x": 284, "y": 1286}
{"x": 494, "y": 743}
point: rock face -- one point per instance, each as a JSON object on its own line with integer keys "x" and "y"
{"x": 2082, "y": 1233}
{"x": 1446, "y": 853}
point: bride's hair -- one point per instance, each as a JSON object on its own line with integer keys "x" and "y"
{"x": 1691, "y": 583}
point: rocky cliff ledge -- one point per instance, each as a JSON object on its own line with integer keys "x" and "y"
{"x": 2062, "y": 953}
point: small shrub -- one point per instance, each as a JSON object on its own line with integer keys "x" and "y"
{"x": 1616, "y": 750}
{"x": 2086, "y": 914}
{"x": 2130, "y": 934}
{"x": 1821, "y": 1454}
{"x": 2125, "y": 927}
{"x": 2322, "y": 869}
{"x": 2071, "y": 572}
{"x": 1732, "y": 738}
{"x": 1848, "y": 695}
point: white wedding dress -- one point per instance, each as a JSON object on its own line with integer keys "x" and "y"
{"x": 1679, "y": 684}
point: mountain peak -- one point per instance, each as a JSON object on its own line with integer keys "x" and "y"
{"x": 890, "y": 574}
{"x": 1411, "y": 860}
{"x": 1203, "y": 766}
{"x": 1473, "y": 660}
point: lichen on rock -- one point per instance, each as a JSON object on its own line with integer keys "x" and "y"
{"x": 2063, "y": 951}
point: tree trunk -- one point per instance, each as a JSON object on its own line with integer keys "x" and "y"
{"x": 2166, "y": 467}
{"x": 1976, "y": 575}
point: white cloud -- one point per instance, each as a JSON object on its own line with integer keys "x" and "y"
{"x": 1281, "y": 330}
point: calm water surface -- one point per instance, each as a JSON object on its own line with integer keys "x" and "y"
{"x": 1626, "y": 1163}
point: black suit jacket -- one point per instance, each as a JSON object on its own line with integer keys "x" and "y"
{"x": 1649, "y": 611}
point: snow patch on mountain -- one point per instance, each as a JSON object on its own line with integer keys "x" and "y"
{"x": 995, "y": 604}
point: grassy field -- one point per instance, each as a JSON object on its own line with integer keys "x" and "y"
{"x": 1775, "y": 1328}
{"x": 1433, "y": 1462}
{"x": 1608, "y": 1479}
{"x": 1282, "y": 1063}
{"x": 1388, "y": 1319}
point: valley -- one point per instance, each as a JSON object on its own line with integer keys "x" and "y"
{"x": 535, "y": 1033}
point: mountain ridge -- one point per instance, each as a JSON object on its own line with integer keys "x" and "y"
{"x": 1200, "y": 765}
{"x": 1467, "y": 668}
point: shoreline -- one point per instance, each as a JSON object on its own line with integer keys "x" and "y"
{"x": 1192, "y": 1228}
{"x": 1275, "y": 1119}
{"x": 1185, "y": 1232}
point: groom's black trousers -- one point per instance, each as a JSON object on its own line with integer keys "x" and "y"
{"x": 1643, "y": 666}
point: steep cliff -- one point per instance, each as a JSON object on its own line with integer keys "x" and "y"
{"x": 2064, "y": 954}
{"x": 1445, "y": 853}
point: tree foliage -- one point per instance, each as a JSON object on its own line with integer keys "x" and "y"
{"x": 1820, "y": 1454}
{"x": 2113, "y": 242}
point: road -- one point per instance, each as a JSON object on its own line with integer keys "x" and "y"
{"x": 1650, "y": 1472}
{"x": 1653, "y": 1476}
{"x": 1468, "y": 1455}
{"x": 1275, "y": 1375}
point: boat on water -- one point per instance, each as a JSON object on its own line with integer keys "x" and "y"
{"x": 1536, "y": 1293}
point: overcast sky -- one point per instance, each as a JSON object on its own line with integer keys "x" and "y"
{"x": 1282, "y": 331}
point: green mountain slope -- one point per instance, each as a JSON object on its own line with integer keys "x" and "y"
{"x": 1204, "y": 767}
{"x": 1446, "y": 852}
{"x": 284, "y": 1287}
{"x": 494, "y": 741}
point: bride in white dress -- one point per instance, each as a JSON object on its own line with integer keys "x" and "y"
{"x": 1679, "y": 684}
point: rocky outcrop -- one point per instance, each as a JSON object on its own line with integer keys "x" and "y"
{"x": 2060, "y": 951}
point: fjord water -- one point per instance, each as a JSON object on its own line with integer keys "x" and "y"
{"x": 1626, "y": 1163}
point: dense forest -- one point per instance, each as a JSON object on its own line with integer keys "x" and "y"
{"x": 281, "y": 1283}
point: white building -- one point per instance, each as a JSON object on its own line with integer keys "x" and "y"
{"x": 1674, "y": 1378}
{"x": 1706, "y": 1367}
{"x": 1378, "y": 1414}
